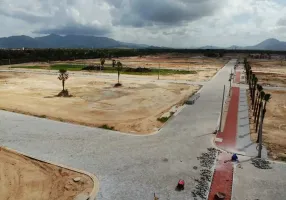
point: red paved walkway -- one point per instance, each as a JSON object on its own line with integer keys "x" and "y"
{"x": 223, "y": 177}
{"x": 228, "y": 135}
{"x": 237, "y": 77}
{"x": 223, "y": 174}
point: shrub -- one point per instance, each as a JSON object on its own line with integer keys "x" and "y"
{"x": 105, "y": 126}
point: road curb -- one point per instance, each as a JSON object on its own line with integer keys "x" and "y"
{"x": 93, "y": 193}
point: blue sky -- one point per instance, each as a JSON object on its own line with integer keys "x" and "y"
{"x": 175, "y": 23}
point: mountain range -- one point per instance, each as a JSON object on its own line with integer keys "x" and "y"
{"x": 271, "y": 44}
{"x": 81, "y": 41}
{"x": 68, "y": 41}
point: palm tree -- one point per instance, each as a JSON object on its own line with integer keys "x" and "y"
{"x": 113, "y": 63}
{"x": 266, "y": 99}
{"x": 259, "y": 89}
{"x": 102, "y": 61}
{"x": 250, "y": 83}
{"x": 63, "y": 76}
{"x": 119, "y": 68}
{"x": 255, "y": 80}
{"x": 247, "y": 69}
{"x": 256, "y": 117}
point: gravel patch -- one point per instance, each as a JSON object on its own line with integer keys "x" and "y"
{"x": 261, "y": 163}
{"x": 207, "y": 161}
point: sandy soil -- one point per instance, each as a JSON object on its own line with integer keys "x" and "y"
{"x": 172, "y": 61}
{"x": 270, "y": 72}
{"x": 133, "y": 108}
{"x": 27, "y": 179}
{"x": 178, "y": 61}
{"x": 274, "y": 129}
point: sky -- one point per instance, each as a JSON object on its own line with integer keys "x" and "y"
{"x": 169, "y": 23}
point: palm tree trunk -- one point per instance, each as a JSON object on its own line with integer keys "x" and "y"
{"x": 253, "y": 93}
{"x": 250, "y": 88}
{"x": 256, "y": 103}
{"x": 261, "y": 121}
{"x": 258, "y": 115}
{"x": 118, "y": 74}
{"x": 259, "y": 138}
{"x": 63, "y": 84}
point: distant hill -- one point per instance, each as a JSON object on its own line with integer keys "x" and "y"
{"x": 269, "y": 44}
{"x": 68, "y": 41}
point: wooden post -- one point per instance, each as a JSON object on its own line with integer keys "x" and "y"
{"x": 221, "y": 112}
{"x": 159, "y": 72}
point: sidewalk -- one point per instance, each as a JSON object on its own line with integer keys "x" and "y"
{"x": 226, "y": 140}
{"x": 223, "y": 174}
{"x": 244, "y": 145}
{"x": 244, "y": 180}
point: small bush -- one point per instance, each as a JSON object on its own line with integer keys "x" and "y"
{"x": 64, "y": 93}
{"x": 163, "y": 119}
{"x": 105, "y": 126}
{"x": 118, "y": 85}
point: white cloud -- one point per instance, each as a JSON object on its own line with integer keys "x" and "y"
{"x": 187, "y": 23}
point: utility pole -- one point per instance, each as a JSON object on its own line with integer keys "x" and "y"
{"x": 221, "y": 112}
{"x": 159, "y": 72}
{"x": 230, "y": 79}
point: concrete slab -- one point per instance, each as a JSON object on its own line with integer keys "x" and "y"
{"x": 244, "y": 144}
{"x": 264, "y": 184}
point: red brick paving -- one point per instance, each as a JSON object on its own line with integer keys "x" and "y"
{"x": 230, "y": 129}
{"x": 237, "y": 77}
{"x": 223, "y": 177}
{"x": 223, "y": 174}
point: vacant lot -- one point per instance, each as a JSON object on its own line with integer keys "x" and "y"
{"x": 24, "y": 178}
{"x": 172, "y": 60}
{"x": 274, "y": 128}
{"x": 135, "y": 107}
{"x": 170, "y": 66}
{"x": 270, "y": 72}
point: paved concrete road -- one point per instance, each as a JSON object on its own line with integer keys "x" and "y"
{"x": 128, "y": 167}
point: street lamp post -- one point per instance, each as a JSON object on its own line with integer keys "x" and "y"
{"x": 230, "y": 79}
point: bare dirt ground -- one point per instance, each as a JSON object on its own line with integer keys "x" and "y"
{"x": 24, "y": 178}
{"x": 274, "y": 127}
{"x": 270, "y": 72}
{"x": 199, "y": 63}
{"x": 205, "y": 67}
{"x": 172, "y": 60}
{"x": 133, "y": 108}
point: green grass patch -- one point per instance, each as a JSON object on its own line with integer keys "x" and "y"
{"x": 67, "y": 67}
{"x": 105, "y": 126}
{"x": 161, "y": 72}
{"x": 28, "y": 67}
{"x": 165, "y": 119}
{"x": 110, "y": 69}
